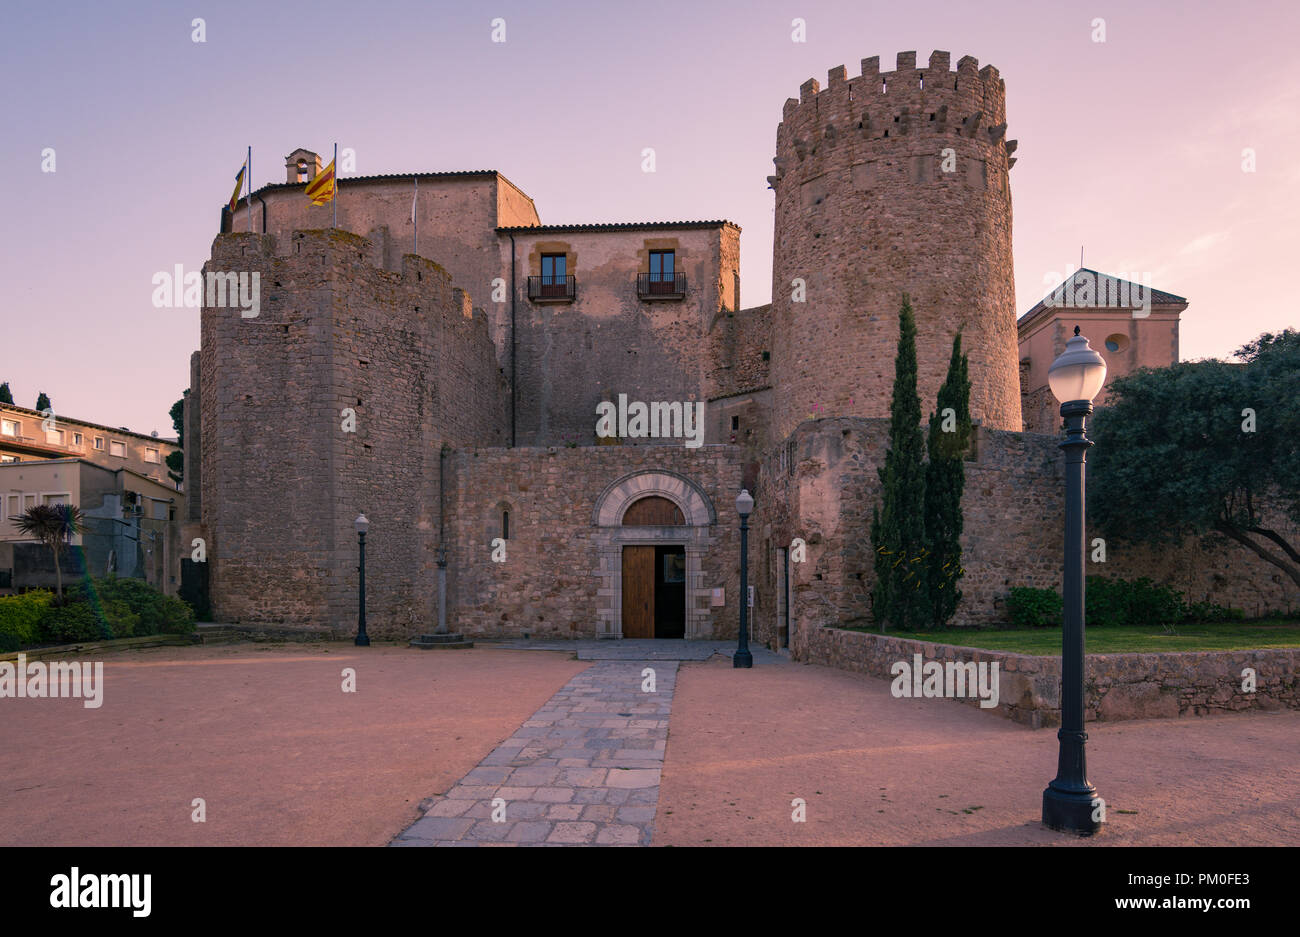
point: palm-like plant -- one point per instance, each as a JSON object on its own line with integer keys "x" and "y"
{"x": 53, "y": 525}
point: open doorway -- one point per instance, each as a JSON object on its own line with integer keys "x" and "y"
{"x": 670, "y": 592}
{"x": 654, "y": 591}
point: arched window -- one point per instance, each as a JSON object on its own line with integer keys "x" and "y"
{"x": 302, "y": 170}
{"x": 653, "y": 511}
{"x": 505, "y": 525}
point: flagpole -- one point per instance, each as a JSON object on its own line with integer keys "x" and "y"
{"x": 415, "y": 215}
{"x": 336, "y": 185}
{"x": 248, "y": 187}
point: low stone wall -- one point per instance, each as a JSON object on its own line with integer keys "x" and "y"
{"x": 1116, "y": 686}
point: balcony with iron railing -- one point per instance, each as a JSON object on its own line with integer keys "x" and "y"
{"x": 660, "y": 285}
{"x": 552, "y": 288}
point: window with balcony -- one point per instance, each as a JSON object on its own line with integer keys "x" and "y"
{"x": 10, "y": 427}
{"x": 555, "y": 284}
{"x": 117, "y": 448}
{"x": 662, "y": 281}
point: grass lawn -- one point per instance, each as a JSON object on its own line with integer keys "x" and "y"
{"x": 1228, "y": 636}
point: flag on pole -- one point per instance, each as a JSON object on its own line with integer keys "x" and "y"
{"x": 239, "y": 184}
{"x": 321, "y": 189}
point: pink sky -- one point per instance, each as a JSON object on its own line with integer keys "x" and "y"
{"x": 1131, "y": 147}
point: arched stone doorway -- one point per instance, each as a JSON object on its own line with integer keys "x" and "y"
{"x": 655, "y": 527}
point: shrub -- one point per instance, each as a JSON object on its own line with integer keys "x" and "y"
{"x": 154, "y": 612}
{"x": 76, "y": 621}
{"x": 1120, "y": 602}
{"x": 20, "y": 619}
{"x": 1034, "y": 608}
{"x": 1105, "y": 602}
{"x": 1150, "y": 604}
{"x": 1211, "y": 612}
{"x": 120, "y": 619}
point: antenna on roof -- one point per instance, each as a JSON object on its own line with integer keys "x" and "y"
{"x": 1080, "y": 256}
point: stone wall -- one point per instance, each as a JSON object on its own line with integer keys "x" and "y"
{"x": 458, "y": 214}
{"x": 558, "y": 579}
{"x": 867, "y": 211}
{"x": 822, "y": 483}
{"x": 283, "y": 480}
{"x": 609, "y": 341}
{"x": 1116, "y": 686}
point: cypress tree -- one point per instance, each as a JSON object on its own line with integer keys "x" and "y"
{"x": 42, "y": 402}
{"x": 898, "y": 528}
{"x": 5, "y": 395}
{"x": 945, "y": 479}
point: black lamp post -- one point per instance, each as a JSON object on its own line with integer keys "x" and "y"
{"x": 1069, "y": 803}
{"x": 744, "y": 507}
{"x": 362, "y": 525}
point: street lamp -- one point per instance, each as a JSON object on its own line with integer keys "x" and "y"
{"x": 362, "y": 525}
{"x": 1069, "y": 803}
{"x": 744, "y": 507}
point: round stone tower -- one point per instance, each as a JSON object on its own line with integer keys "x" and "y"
{"x": 892, "y": 183}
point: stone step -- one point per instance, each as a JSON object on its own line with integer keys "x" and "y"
{"x": 434, "y": 642}
{"x": 220, "y": 636}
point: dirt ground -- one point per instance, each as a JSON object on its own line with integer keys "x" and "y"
{"x": 875, "y": 770}
{"x": 282, "y": 756}
{"x": 266, "y": 736}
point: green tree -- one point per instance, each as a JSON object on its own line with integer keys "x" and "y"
{"x": 1204, "y": 448}
{"x": 43, "y": 402}
{"x": 176, "y": 460}
{"x": 945, "y": 480}
{"x": 53, "y": 525}
{"x": 6, "y": 396}
{"x": 898, "y": 525}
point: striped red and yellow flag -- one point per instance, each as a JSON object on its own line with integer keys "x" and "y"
{"x": 239, "y": 184}
{"x": 321, "y": 189}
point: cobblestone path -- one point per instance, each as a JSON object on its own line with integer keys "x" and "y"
{"x": 582, "y": 771}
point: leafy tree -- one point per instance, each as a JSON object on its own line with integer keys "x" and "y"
{"x": 176, "y": 460}
{"x": 53, "y": 525}
{"x": 6, "y": 396}
{"x": 898, "y": 525}
{"x": 1204, "y": 448}
{"x": 42, "y": 402}
{"x": 945, "y": 480}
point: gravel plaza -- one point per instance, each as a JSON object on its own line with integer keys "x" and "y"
{"x": 580, "y": 754}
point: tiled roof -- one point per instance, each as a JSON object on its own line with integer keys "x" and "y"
{"x": 1105, "y": 286}
{"x": 276, "y": 186}
{"x": 617, "y": 226}
{"x": 61, "y": 418}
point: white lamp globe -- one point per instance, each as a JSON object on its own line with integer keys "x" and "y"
{"x": 1079, "y": 373}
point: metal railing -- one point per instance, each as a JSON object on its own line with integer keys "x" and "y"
{"x": 661, "y": 285}
{"x": 552, "y": 287}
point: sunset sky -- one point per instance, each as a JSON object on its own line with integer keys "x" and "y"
{"x": 1132, "y": 147}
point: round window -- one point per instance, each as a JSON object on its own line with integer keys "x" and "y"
{"x": 1117, "y": 342}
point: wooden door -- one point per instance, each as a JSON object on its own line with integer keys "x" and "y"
{"x": 639, "y": 592}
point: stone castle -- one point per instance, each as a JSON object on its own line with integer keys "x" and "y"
{"x": 448, "y": 389}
